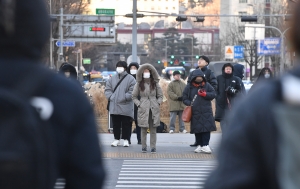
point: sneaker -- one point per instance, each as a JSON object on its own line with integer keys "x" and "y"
{"x": 153, "y": 151}
{"x": 206, "y": 149}
{"x": 184, "y": 131}
{"x": 115, "y": 143}
{"x": 126, "y": 143}
{"x": 171, "y": 131}
{"x": 198, "y": 149}
{"x": 144, "y": 150}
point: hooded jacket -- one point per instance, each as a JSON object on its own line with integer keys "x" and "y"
{"x": 175, "y": 90}
{"x": 238, "y": 71}
{"x": 202, "y": 115}
{"x": 120, "y": 100}
{"x": 209, "y": 76}
{"x": 225, "y": 81}
{"x": 150, "y": 100}
{"x": 134, "y": 75}
{"x": 78, "y": 153}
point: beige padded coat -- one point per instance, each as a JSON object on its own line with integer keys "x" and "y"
{"x": 148, "y": 99}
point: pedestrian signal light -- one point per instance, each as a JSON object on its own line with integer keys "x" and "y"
{"x": 171, "y": 62}
{"x": 158, "y": 62}
{"x": 183, "y": 62}
{"x": 197, "y": 56}
{"x": 172, "y": 56}
{"x": 101, "y": 29}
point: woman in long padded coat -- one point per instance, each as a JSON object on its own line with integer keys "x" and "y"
{"x": 151, "y": 96}
{"x": 202, "y": 122}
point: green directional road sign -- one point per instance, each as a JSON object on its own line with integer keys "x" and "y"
{"x": 108, "y": 12}
{"x": 86, "y": 61}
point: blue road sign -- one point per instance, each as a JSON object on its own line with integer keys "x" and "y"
{"x": 238, "y": 52}
{"x": 66, "y": 43}
{"x": 269, "y": 46}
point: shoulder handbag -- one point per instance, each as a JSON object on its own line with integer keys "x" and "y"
{"x": 187, "y": 112}
{"x": 114, "y": 91}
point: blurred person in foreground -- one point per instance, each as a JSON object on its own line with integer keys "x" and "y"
{"x": 120, "y": 103}
{"x": 200, "y": 93}
{"x": 24, "y": 32}
{"x": 210, "y": 78}
{"x": 176, "y": 107}
{"x": 132, "y": 69}
{"x": 261, "y": 150}
{"x": 151, "y": 96}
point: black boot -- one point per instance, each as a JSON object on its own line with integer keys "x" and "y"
{"x": 193, "y": 145}
{"x": 139, "y": 142}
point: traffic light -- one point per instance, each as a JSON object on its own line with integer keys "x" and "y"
{"x": 171, "y": 62}
{"x": 248, "y": 18}
{"x": 158, "y": 62}
{"x": 199, "y": 19}
{"x": 181, "y": 18}
{"x": 172, "y": 56}
{"x": 183, "y": 62}
{"x": 197, "y": 56}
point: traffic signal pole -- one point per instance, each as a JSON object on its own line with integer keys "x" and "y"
{"x": 134, "y": 32}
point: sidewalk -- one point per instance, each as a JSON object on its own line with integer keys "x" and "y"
{"x": 173, "y": 146}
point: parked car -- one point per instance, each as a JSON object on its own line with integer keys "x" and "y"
{"x": 107, "y": 74}
{"x": 216, "y": 66}
{"x": 168, "y": 72}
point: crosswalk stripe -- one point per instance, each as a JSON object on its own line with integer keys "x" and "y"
{"x": 164, "y": 173}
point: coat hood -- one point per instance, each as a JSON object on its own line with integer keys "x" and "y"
{"x": 197, "y": 73}
{"x": 139, "y": 74}
{"x": 133, "y": 64}
{"x": 24, "y": 30}
{"x": 68, "y": 67}
{"x": 238, "y": 70}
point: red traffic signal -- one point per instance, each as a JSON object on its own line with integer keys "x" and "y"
{"x": 102, "y": 29}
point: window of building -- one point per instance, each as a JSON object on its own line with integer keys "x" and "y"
{"x": 152, "y": 8}
{"x": 268, "y": 1}
{"x": 243, "y": 1}
{"x": 173, "y": 8}
{"x": 167, "y": 8}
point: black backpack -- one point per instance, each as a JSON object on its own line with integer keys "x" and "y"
{"x": 26, "y": 145}
{"x": 162, "y": 128}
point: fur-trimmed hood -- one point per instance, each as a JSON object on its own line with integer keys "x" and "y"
{"x": 154, "y": 74}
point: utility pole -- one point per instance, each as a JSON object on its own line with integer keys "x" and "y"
{"x": 51, "y": 47}
{"x": 60, "y": 54}
{"x": 134, "y": 32}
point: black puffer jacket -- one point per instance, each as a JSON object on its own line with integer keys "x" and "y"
{"x": 202, "y": 115}
{"x": 224, "y": 81}
{"x": 78, "y": 152}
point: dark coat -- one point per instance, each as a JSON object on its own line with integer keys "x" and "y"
{"x": 202, "y": 115}
{"x": 78, "y": 152}
{"x": 209, "y": 76}
{"x": 224, "y": 81}
{"x": 249, "y": 154}
{"x": 128, "y": 70}
{"x": 238, "y": 71}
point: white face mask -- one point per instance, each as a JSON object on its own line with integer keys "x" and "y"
{"x": 120, "y": 69}
{"x": 67, "y": 74}
{"x": 267, "y": 75}
{"x": 133, "y": 72}
{"x": 146, "y": 75}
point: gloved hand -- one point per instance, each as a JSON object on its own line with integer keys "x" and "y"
{"x": 202, "y": 92}
{"x": 179, "y": 98}
{"x": 231, "y": 91}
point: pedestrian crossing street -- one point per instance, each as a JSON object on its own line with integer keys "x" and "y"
{"x": 150, "y": 174}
